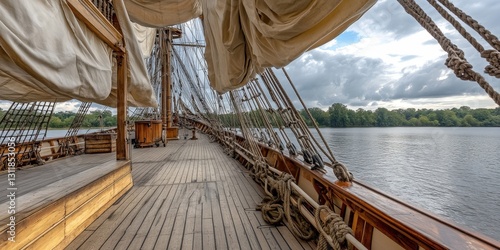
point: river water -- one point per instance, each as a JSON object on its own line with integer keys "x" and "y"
{"x": 452, "y": 172}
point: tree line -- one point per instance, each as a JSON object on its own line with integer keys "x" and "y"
{"x": 94, "y": 119}
{"x": 338, "y": 115}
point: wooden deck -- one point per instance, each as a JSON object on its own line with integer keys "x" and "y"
{"x": 32, "y": 179}
{"x": 188, "y": 195}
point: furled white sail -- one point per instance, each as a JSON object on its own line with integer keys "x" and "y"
{"x": 47, "y": 54}
{"x": 162, "y": 13}
{"x": 243, "y": 36}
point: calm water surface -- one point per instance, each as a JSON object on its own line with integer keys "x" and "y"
{"x": 452, "y": 172}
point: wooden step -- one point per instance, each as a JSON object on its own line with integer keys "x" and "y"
{"x": 52, "y": 216}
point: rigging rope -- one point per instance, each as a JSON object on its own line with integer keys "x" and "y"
{"x": 456, "y": 60}
{"x": 492, "y": 56}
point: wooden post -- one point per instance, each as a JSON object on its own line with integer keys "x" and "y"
{"x": 121, "y": 107}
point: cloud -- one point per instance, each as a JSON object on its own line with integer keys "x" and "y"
{"x": 393, "y": 60}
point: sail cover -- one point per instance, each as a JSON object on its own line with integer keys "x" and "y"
{"x": 243, "y": 36}
{"x": 47, "y": 54}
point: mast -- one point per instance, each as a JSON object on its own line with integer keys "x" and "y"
{"x": 165, "y": 77}
{"x": 166, "y": 98}
{"x": 169, "y": 77}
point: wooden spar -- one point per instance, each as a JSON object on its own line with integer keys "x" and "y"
{"x": 89, "y": 14}
{"x": 166, "y": 82}
{"x": 121, "y": 108}
{"x": 171, "y": 132}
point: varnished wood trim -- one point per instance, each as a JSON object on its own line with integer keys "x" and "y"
{"x": 367, "y": 235}
{"x": 86, "y": 12}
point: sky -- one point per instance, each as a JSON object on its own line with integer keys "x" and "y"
{"x": 386, "y": 59}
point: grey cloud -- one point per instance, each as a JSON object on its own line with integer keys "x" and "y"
{"x": 408, "y": 57}
{"x": 390, "y": 19}
{"x": 424, "y": 83}
{"x": 338, "y": 78}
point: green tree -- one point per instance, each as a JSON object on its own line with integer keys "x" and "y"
{"x": 338, "y": 115}
{"x": 365, "y": 118}
{"x": 448, "y": 118}
{"x": 414, "y": 122}
{"x": 2, "y": 113}
{"x": 481, "y": 114}
{"x": 493, "y": 121}
{"x": 55, "y": 122}
{"x": 470, "y": 121}
{"x": 462, "y": 111}
{"x": 382, "y": 117}
{"x": 321, "y": 117}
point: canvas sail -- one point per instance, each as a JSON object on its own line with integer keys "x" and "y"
{"x": 47, "y": 53}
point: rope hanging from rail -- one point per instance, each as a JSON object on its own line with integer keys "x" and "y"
{"x": 277, "y": 205}
{"x": 334, "y": 226}
{"x": 456, "y": 60}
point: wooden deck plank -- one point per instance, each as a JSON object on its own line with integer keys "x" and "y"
{"x": 113, "y": 220}
{"x": 188, "y": 195}
{"x": 223, "y": 234}
{"x": 165, "y": 232}
{"x": 144, "y": 217}
{"x": 181, "y": 219}
{"x": 241, "y": 203}
{"x": 160, "y": 218}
